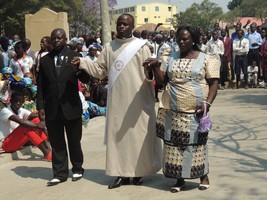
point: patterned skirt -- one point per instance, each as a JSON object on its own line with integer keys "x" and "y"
{"x": 185, "y": 149}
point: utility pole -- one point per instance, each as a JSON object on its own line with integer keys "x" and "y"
{"x": 106, "y": 31}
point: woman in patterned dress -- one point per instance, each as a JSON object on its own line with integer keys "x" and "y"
{"x": 191, "y": 80}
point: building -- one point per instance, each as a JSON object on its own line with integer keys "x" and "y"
{"x": 148, "y": 13}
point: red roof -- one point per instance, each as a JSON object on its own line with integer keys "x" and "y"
{"x": 244, "y": 20}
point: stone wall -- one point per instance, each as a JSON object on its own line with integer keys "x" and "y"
{"x": 42, "y": 23}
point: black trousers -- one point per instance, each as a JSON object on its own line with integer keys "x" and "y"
{"x": 223, "y": 70}
{"x": 254, "y": 55}
{"x": 241, "y": 63}
{"x": 56, "y": 135}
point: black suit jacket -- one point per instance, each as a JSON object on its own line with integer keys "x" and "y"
{"x": 55, "y": 91}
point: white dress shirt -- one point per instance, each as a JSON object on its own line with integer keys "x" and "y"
{"x": 241, "y": 46}
{"x": 215, "y": 48}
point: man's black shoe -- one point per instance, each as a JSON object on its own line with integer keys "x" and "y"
{"x": 119, "y": 182}
{"x": 54, "y": 181}
{"x": 137, "y": 180}
{"x": 76, "y": 177}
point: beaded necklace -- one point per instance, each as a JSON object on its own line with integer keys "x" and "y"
{"x": 184, "y": 66}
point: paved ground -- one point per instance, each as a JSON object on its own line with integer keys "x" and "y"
{"x": 237, "y": 152}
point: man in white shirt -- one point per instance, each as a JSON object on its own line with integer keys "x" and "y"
{"x": 16, "y": 128}
{"x": 240, "y": 49}
{"x": 255, "y": 41}
{"x": 215, "y": 46}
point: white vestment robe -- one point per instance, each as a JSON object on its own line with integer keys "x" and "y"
{"x": 133, "y": 150}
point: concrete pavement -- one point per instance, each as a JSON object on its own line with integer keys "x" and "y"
{"x": 237, "y": 156}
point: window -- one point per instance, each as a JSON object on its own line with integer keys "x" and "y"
{"x": 120, "y": 11}
{"x": 143, "y": 8}
{"x": 158, "y": 16}
{"x": 168, "y": 19}
{"x": 155, "y": 16}
{"x": 156, "y": 8}
{"x": 145, "y": 19}
{"x": 169, "y": 9}
{"x": 126, "y": 10}
{"x": 132, "y": 9}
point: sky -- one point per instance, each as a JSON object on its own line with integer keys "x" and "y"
{"x": 181, "y": 4}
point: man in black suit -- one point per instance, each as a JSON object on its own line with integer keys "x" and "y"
{"x": 59, "y": 104}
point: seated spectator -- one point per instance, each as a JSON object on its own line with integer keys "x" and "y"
{"x": 5, "y": 91}
{"x": 16, "y": 128}
{"x": 253, "y": 74}
{"x": 6, "y": 73}
{"x": 16, "y": 84}
{"x": 28, "y": 104}
{"x": 92, "y": 52}
{"x": 4, "y": 94}
{"x": 96, "y": 98}
{"x": 79, "y": 47}
{"x": 104, "y": 82}
{"x": 28, "y": 81}
{"x": 85, "y": 114}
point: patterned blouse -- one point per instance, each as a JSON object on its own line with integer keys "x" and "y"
{"x": 187, "y": 86}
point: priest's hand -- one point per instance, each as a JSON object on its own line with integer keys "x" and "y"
{"x": 76, "y": 63}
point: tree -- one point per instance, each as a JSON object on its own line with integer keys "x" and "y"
{"x": 88, "y": 17}
{"x": 234, "y": 4}
{"x": 249, "y": 8}
{"x": 84, "y": 15}
{"x": 12, "y": 13}
{"x": 203, "y": 14}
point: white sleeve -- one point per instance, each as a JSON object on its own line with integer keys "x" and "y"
{"x": 25, "y": 113}
{"x": 5, "y": 113}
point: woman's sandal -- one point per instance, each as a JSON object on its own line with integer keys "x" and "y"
{"x": 177, "y": 186}
{"x": 203, "y": 186}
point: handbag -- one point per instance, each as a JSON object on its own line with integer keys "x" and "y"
{"x": 205, "y": 123}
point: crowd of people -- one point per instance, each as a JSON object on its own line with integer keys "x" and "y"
{"x": 63, "y": 85}
{"x": 242, "y": 53}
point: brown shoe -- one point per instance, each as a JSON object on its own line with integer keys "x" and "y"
{"x": 246, "y": 87}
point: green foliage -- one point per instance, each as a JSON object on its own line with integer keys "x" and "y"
{"x": 234, "y": 4}
{"x": 203, "y": 14}
{"x": 249, "y": 8}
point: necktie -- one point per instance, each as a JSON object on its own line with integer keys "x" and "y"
{"x": 58, "y": 64}
{"x": 59, "y": 60}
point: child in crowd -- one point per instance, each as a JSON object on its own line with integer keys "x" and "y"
{"x": 6, "y": 73}
{"x": 97, "y": 98}
{"x": 28, "y": 81}
{"x": 4, "y": 84}
{"x": 253, "y": 74}
{"x": 104, "y": 82}
{"x": 28, "y": 104}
